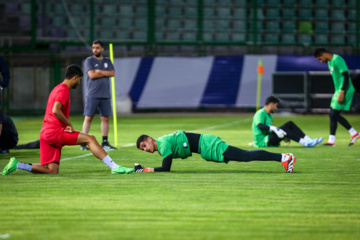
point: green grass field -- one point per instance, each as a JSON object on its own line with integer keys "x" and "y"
{"x": 198, "y": 199}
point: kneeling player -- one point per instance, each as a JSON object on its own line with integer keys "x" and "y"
{"x": 182, "y": 144}
{"x": 57, "y": 131}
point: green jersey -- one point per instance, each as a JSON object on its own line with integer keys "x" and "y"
{"x": 261, "y": 137}
{"x": 176, "y": 144}
{"x": 337, "y": 66}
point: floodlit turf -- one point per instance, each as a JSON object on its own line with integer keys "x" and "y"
{"x": 198, "y": 199}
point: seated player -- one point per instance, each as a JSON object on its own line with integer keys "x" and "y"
{"x": 267, "y": 135}
{"x": 8, "y": 134}
{"x": 57, "y": 132}
{"x": 182, "y": 144}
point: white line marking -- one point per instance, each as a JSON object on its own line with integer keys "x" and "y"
{"x": 197, "y": 130}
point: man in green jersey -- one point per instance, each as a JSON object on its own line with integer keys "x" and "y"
{"x": 267, "y": 135}
{"x": 344, "y": 92}
{"x": 182, "y": 144}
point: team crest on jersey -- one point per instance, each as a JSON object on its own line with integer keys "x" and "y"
{"x": 105, "y": 65}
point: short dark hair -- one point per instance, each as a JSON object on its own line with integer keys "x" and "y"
{"x": 98, "y": 42}
{"x": 141, "y": 139}
{"x": 319, "y": 51}
{"x": 271, "y": 99}
{"x": 73, "y": 70}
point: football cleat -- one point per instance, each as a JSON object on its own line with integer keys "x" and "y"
{"x": 354, "y": 138}
{"x": 329, "y": 144}
{"x": 84, "y": 148}
{"x": 107, "y": 146}
{"x": 122, "y": 170}
{"x": 10, "y": 167}
{"x": 289, "y": 163}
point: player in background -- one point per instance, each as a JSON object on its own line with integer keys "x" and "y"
{"x": 97, "y": 70}
{"x": 182, "y": 144}
{"x": 344, "y": 92}
{"x": 57, "y": 132}
{"x": 267, "y": 135}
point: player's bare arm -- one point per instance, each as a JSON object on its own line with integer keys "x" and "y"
{"x": 97, "y": 73}
{"x": 60, "y": 115}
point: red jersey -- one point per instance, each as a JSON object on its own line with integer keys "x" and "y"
{"x": 61, "y": 93}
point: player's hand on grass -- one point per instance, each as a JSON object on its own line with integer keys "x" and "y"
{"x": 278, "y": 131}
{"x": 139, "y": 168}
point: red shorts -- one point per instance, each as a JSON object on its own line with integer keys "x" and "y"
{"x": 51, "y": 143}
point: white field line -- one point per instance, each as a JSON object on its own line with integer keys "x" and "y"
{"x": 196, "y": 130}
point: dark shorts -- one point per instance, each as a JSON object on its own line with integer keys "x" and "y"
{"x": 92, "y": 104}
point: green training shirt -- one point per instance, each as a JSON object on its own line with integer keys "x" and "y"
{"x": 337, "y": 66}
{"x": 261, "y": 137}
{"x": 176, "y": 144}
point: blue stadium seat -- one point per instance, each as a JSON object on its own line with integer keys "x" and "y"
{"x": 259, "y": 25}
{"x": 239, "y": 25}
{"x": 222, "y": 37}
{"x": 272, "y": 38}
{"x": 352, "y": 3}
{"x": 322, "y": 3}
{"x": 351, "y": 27}
{"x": 321, "y": 38}
{"x": 191, "y": 12}
{"x": 59, "y": 8}
{"x": 25, "y": 7}
{"x": 172, "y": 36}
{"x": 159, "y": 36}
{"x": 108, "y": 9}
{"x": 210, "y": 3}
{"x": 121, "y": 35}
{"x": 208, "y": 37}
{"x": 224, "y": 3}
{"x": 306, "y": 3}
{"x": 209, "y": 25}
{"x": 77, "y": 8}
{"x": 160, "y": 11}
{"x": 140, "y": 35}
{"x": 352, "y": 14}
{"x": 338, "y": 14}
{"x": 174, "y": 24}
{"x": 272, "y": 26}
{"x": 305, "y": 14}
{"x": 288, "y": 38}
{"x": 209, "y": 12}
{"x": 273, "y": 3}
{"x": 106, "y": 34}
{"x": 240, "y": 3}
{"x": 141, "y": 11}
{"x": 58, "y": 21}
{"x": 140, "y": 23}
{"x": 125, "y": 23}
{"x": 321, "y": 14}
{"x": 160, "y": 23}
{"x": 351, "y": 39}
{"x": 304, "y": 39}
{"x": 176, "y": 2}
{"x": 175, "y": 12}
{"x": 108, "y": 22}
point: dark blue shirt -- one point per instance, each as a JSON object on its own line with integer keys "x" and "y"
{"x": 4, "y": 70}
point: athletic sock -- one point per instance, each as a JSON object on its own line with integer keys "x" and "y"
{"x": 302, "y": 141}
{"x": 307, "y": 138}
{"x": 24, "y": 166}
{"x": 108, "y": 161}
{"x": 105, "y": 139}
{"x": 352, "y": 131}
{"x": 331, "y": 139}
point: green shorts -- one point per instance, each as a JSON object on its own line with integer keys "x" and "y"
{"x": 212, "y": 148}
{"x": 346, "y": 103}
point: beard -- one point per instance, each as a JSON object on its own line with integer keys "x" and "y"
{"x": 98, "y": 55}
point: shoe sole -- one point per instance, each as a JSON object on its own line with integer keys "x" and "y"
{"x": 293, "y": 163}
{"x": 352, "y": 142}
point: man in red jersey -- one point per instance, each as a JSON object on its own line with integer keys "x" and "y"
{"x": 57, "y": 132}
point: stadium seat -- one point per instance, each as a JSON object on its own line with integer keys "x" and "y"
{"x": 260, "y": 3}
{"x": 222, "y": 37}
{"x": 59, "y": 8}
{"x": 321, "y": 14}
{"x": 71, "y": 33}
{"x": 338, "y": 39}
{"x": 190, "y": 24}
{"x": 121, "y": 35}
{"x": 305, "y": 14}
{"x": 289, "y": 3}
{"x": 272, "y": 13}
{"x": 239, "y": 25}
{"x": 227, "y": 3}
{"x": 240, "y": 3}
{"x": 304, "y": 39}
{"x": 140, "y": 35}
{"x": 125, "y": 23}
{"x": 160, "y": 11}
{"x": 126, "y": 11}
{"x": 175, "y": 12}
{"x": 108, "y": 9}
{"x": 273, "y": 3}
{"x": 223, "y": 12}
{"x": 321, "y": 39}
{"x": 172, "y": 36}
{"x": 191, "y": 12}
{"x": 189, "y": 36}
{"x": 209, "y": 12}
{"x": 239, "y": 13}
{"x": 141, "y": 11}
{"x": 306, "y": 3}
{"x": 338, "y": 14}
{"x": 351, "y": 14}
{"x": 222, "y": 25}
{"x": 76, "y": 9}
{"x": 322, "y": 3}
{"x": 352, "y": 3}
{"x": 338, "y": 27}
{"x": 351, "y": 39}
{"x": 208, "y": 37}
{"x": 259, "y": 12}
{"x": 159, "y": 36}
{"x": 305, "y": 27}
{"x": 321, "y": 27}
{"x": 289, "y": 26}
{"x": 288, "y": 38}
{"x": 272, "y": 38}
{"x": 106, "y": 34}
{"x": 108, "y": 22}
{"x": 272, "y": 26}
{"x": 25, "y": 8}
{"x": 174, "y": 24}
{"x": 210, "y": 3}
{"x": 288, "y": 13}
{"x": 141, "y": 23}
{"x": 351, "y": 27}
{"x": 58, "y": 21}
{"x": 259, "y": 25}
{"x": 176, "y": 2}
{"x": 209, "y": 25}
{"x": 238, "y": 37}
{"x": 160, "y": 23}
